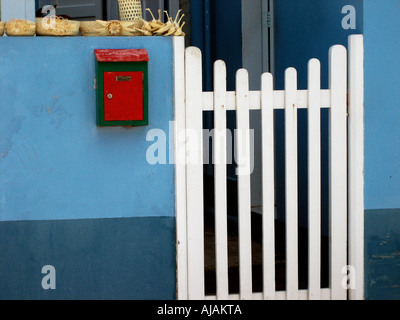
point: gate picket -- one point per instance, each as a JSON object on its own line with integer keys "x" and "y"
{"x": 243, "y": 173}
{"x": 338, "y": 169}
{"x": 268, "y": 185}
{"x": 314, "y": 179}
{"x": 292, "y": 282}
{"x": 220, "y": 160}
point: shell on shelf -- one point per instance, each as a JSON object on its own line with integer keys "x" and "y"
{"x": 156, "y": 27}
{"x": 110, "y": 28}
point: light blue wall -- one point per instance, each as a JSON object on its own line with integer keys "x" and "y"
{"x": 382, "y": 149}
{"x": 382, "y": 104}
{"x": 54, "y": 162}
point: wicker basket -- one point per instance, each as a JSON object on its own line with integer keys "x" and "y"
{"x": 56, "y": 26}
{"x": 101, "y": 28}
{"x": 130, "y": 10}
{"x": 1, "y": 28}
{"x": 92, "y": 29}
{"x": 19, "y": 27}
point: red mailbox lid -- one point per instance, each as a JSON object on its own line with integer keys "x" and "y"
{"x": 121, "y": 55}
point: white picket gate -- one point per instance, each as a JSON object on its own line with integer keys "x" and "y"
{"x": 344, "y": 98}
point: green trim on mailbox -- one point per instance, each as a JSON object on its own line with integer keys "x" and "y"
{"x": 139, "y": 66}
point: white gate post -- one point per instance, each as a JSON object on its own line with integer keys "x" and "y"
{"x": 356, "y": 166}
{"x": 180, "y": 169}
{"x": 194, "y": 173}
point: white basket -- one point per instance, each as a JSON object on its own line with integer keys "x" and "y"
{"x": 130, "y": 10}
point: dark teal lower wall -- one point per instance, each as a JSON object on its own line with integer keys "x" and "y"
{"x": 134, "y": 258}
{"x": 382, "y": 254}
{"x": 119, "y": 258}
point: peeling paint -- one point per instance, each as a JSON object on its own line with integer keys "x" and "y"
{"x": 383, "y": 242}
{"x": 391, "y": 256}
{"x": 55, "y": 110}
{"x": 12, "y": 127}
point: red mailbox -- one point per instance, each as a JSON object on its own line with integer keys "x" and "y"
{"x": 122, "y": 90}
{"x": 123, "y": 96}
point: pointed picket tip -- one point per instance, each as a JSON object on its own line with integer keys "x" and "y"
{"x": 314, "y": 74}
{"x": 193, "y": 71}
{"x": 193, "y": 51}
{"x": 220, "y": 71}
{"x": 338, "y": 51}
{"x": 356, "y": 38}
{"x": 242, "y": 82}
{"x": 220, "y": 63}
{"x": 337, "y": 68}
{"x": 267, "y": 84}
{"x": 291, "y": 78}
{"x": 314, "y": 64}
{"x": 291, "y": 72}
{"x": 242, "y": 74}
{"x": 267, "y": 78}
{"x": 267, "y": 96}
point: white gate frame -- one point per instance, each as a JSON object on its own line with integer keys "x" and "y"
{"x": 345, "y": 99}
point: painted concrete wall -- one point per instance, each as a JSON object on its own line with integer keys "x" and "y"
{"x": 304, "y": 30}
{"x": 55, "y": 163}
{"x": 382, "y": 105}
{"x": 120, "y": 258}
{"x": 70, "y": 190}
{"x": 382, "y": 152}
{"x": 382, "y": 254}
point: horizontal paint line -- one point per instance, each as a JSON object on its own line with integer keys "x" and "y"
{"x": 88, "y": 219}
